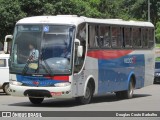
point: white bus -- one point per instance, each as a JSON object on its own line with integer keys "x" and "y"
{"x": 77, "y": 57}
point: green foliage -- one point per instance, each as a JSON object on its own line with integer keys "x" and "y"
{"x": 157, "y": 45}
{"x": 158, "y": 32}
{"x": 32, "y": 7}
{"x": 158, "y": 59}
{"x": 10, "y": 12}
{"x": 13, "y": 10}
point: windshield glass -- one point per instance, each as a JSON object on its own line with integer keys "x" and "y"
{"x": 42, "y": 49}
{"x": 157, "y": 65}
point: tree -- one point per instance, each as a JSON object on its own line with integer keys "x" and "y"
{"x": 138, "y": 10}
{"x": 13, "y": 10}
{"x": 10, "y": 12}
{"x": 54, "y": 7}
{"x": 158, "y": 32}
{"x": 109, "y": 8}
{"x": 32, "y": 7}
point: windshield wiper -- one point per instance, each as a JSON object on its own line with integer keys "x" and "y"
{"x": 28, "y": 61}
{"x": 46, "y": 66}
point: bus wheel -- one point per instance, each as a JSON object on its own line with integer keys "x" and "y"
{"x": 88, "y": 95}
{"x": 36, "y": 100}
{"x": 6, "y": 88}
{"x": 127, "y": 94}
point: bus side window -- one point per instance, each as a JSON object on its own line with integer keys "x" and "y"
{"x": 104, "y": 36}
{"x": 93, "y": 36}
{"x": 136, "y": 37}
{"x": 127, "y": 38}
{"x": 2, "y": 62}
{"x": 151, "y": 38}
{"x": 81, "y": 34}
{"x": 116, "y": 37}
{"x": 145, "y": 38}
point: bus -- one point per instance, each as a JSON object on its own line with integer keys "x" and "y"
{"x": 66, "y": 56}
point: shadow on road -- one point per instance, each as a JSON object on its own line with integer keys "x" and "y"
{"x": 156, "y": 83}
{"x": 71, "y": 102}
{"x": 3, "y": 94}
{"x": 113, "y": 98}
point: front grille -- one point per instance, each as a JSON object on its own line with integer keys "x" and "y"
{"x": 37, "y": 93}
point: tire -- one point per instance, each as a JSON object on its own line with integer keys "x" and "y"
{"x": 127, "y": 94}
{"x": 36, "y": 100}
{"x": 6, "y": 88}
{"x": 88, "y": 95}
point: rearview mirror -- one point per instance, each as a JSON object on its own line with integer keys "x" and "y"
{"x": 79, "y": 48}
{"x": 6, "y": 43}
{"x": 80, "y": 51}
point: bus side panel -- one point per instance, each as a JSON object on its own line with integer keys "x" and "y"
{"x": 114, "y": 74}
{"x": 115, "y": 67}
{"x": 81, "y": 79}
{"x": 149, "y": 67}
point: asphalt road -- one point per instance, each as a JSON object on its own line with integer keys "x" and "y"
{"x": 145, "y": 99}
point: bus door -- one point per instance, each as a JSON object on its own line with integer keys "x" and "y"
{"x": 78, "y": 77}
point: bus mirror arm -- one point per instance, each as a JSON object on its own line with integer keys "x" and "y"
{"x": 5, "y": 47}
{"x": 6, "y": 43}
{"x": 77, "y": 41}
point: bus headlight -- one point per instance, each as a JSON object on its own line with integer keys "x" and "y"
{"x": 62, "y": 84}
{"x": 15, "y": 83}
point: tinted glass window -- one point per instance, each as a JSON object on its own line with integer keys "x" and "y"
{"x": 145, "y": 37}
{"x": 136, "y": 37}
{"x": 116, "y": 37}
{"x": 104, "y": 36}
{"x": 39, "y": 48}
{"x": 127, "y": 37}
{"x": 93, "y": 36}
{"x": 151, "y": 37}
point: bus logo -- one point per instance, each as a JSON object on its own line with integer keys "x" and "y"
{"x": 131, "y": 60}
{"x": 36, "y": 83}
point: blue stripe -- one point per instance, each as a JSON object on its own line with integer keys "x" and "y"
{"x": 29, "y": 81}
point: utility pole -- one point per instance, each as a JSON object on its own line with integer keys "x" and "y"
{"x": 149, "y": 11}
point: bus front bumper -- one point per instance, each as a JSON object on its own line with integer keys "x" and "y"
{"x": 41, "y": 92}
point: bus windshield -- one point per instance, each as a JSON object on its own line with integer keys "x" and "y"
{"x": 42, "y": 49}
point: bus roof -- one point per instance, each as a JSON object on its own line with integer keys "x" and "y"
{"x": 71, "y": 20}
{"x": 74, "y": 20}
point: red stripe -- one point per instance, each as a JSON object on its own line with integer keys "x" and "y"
{"x": 108, "y": 54}
{"x": 63, "y": 78}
